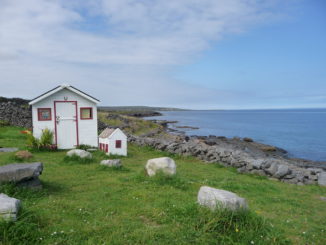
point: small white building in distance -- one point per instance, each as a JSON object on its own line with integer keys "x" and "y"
{"x": 69, "y": 113}
{"x": 113, "y": 141}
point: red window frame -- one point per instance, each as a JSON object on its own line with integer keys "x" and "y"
{"x": 88, "y": 118}
{"x": 39, "y": 114}
{"x": 106, "y": 148}
{"x": 118, "y": 144}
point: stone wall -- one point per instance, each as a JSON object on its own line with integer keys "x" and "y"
{"x": 274, "y": 167}
{"x": 16, "y": 114}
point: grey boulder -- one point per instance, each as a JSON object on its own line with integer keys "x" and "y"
{"x": 21, "y": 173}
{"x": 80, "y": 153}
{"x": 282, "y": 170}
{"x": 8, "y": 149}
{"x": 111, "y": 163}
{"x": 9, "y": 208}
{"x": 216, "y": 198}
{"x": 165, "y": 165}
{"x": 322, "y": 179}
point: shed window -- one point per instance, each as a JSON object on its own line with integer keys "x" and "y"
{"x": 44, "y": 114}
{"x": 86, "y": 113}
{"x": 118, "y": 144}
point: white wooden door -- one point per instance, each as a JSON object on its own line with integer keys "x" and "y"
{"x": 66, "y": 124}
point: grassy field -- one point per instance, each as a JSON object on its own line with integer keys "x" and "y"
{"x": 90, "y": 204}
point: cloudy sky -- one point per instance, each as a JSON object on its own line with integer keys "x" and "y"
{"x": 201, "y": 54}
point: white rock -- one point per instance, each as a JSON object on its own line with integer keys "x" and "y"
{"x": 164, "y": 164}
{"x": 215, "y": 198}
{"x": 80, "y": 153}
{"x": 8, "y": 207}
{"x": 322, "y": 179}
{"x": 112, "y": 163}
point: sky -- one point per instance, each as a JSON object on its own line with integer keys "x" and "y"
{"x": 196, "y": 54}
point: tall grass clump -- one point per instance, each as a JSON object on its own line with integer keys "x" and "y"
{"x": 222, "y": 226}
{"x": 26, "y": 230}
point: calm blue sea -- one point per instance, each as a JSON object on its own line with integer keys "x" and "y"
{"x": 302, "y": 132}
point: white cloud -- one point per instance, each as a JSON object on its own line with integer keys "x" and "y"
{"x": 117, "y": 47}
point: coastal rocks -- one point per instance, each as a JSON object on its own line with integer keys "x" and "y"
{"x": 4, "y": 149}
{"x": 247, "y": 158}
{"x": 80, "y": 153}
{"x": 25, "y": 175}
{"x": 322, "y": 179}
{"x": 112, "y": 163}
{"x": 165, "y": 165}
{"x": 282, "y": 170}
{"x": 216, "y": 198}
{"x": 246, "y": 139}
{"x": 9, "y": 208}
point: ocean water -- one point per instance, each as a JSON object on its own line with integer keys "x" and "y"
{"x": 302, "y": 132}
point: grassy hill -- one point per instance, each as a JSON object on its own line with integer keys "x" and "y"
{"x": 89, "y": 204}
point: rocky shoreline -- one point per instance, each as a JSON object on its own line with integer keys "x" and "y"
{"x": 247, "y": 159}
{"x": 244, "y": 154}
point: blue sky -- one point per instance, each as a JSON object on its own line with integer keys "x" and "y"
{"x": 207, "y": 54}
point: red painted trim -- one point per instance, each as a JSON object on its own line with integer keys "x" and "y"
{"x": 55, "y": 116}
{"x": 39, "y": 117}
{"x": 81, "y": 108}
{"x": 106, "y": 148}
{"x": 77, "y": 130}
{"x": 55, "y": 124}
{"x": 118, "y": 144}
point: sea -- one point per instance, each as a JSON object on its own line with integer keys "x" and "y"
{"x": 301, "y": 132}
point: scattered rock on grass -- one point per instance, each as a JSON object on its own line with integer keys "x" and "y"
{"x": 112, "y": 163}
{"x": 24, "y": 174}
{"x": 23, "y": 155}
{"x": 9, "y": 208}
{"x": 164, "y": 164}
{"x": 216, "y": 198}
{"x": 80, "y": 153}
{"x": 8, "y": 149}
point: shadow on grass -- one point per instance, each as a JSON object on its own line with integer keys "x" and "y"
{"x": 13, "y": 190}
{"x": 121, "y": 169}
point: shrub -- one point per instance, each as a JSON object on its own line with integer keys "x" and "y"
{"x": 4, "y": 123}
{"x": 84, "y": 147}
{"x": 43, "y": 143}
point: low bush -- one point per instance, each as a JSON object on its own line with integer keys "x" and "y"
{"x": 4, "y": 123}
{"x": 84, "y": 147}
{"x": 44, "y": 143}
{"x": 74, "y": 159}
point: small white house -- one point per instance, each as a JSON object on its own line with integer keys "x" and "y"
{"x": 69, "y": 113}
{"x": 113, "y": 141}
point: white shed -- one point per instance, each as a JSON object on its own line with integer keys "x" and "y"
{"x": 69, "y": 113}
{"x": 113, "y": 141}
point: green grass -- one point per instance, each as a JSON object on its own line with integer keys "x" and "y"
{"x": 92, "y": 204}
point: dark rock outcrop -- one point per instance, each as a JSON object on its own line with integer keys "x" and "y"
{"x": 16, "y": 113}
